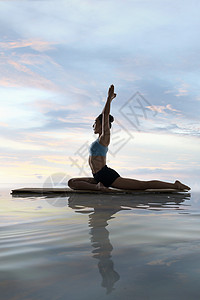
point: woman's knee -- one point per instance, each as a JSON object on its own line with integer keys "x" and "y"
{"x": 71, "y": 182}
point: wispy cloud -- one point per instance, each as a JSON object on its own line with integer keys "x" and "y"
{"x": 37, "y": 45}
{"x": 18, "y": 72}
{"x": 163, "y": 109}
{"x": 183, "y": 90}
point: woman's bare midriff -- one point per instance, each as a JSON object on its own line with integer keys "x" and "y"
{"x": 97, "y": 163}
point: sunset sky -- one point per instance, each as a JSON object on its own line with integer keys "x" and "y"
{"x": 58, "y": 59}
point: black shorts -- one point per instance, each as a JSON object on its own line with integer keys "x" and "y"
{"x": 106, "y": 176}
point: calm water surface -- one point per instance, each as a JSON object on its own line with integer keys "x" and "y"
{"x": 100, "y": 247}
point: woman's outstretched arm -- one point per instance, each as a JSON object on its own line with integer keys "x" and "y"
{"x": 105, "y": 136}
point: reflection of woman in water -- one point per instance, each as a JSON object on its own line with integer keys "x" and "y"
{"x": 104, "y": 177}
{"x": 103, "y": 248}
{"x": 98, "y": 221}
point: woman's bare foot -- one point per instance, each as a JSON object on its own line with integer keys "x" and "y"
{"x": 102, "y": 188}
{"x": 181, "y": 186}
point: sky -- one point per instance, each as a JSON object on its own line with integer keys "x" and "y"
{"x": 58, "y": 59}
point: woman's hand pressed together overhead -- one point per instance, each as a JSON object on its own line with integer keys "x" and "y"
{"x": 111, "y": 94}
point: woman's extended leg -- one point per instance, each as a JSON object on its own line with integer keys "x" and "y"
{"x": 133, "y": 184}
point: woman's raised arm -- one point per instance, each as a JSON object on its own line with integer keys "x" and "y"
{"x": 105, "y": 135}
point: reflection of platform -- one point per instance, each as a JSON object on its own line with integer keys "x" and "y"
{"x": 43, "y": 191}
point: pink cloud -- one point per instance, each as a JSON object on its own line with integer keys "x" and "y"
{"x": 37, "y": 45}
{"x": 3, "y": 124}
{"x": 162, "y": 109}
{"x": 17, "y": 74}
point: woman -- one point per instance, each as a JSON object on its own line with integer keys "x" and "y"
{"x": 104, "y": 177}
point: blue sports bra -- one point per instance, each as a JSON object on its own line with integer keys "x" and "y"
{"x": 96, "y": 149}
